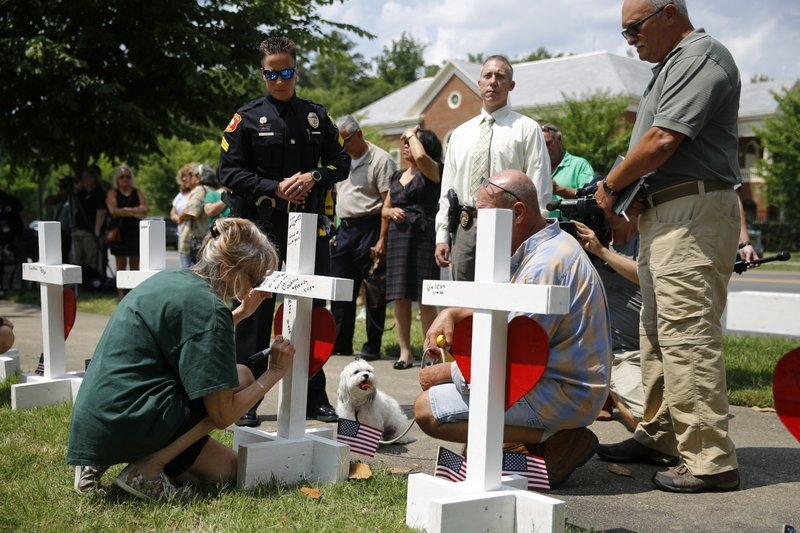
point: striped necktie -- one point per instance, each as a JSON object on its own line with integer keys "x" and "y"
{"x": 480, "y": 156}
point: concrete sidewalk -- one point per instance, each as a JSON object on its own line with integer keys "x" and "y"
{"x": 769, "y": 457}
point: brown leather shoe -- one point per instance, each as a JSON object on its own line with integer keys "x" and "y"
{"x": 681, "y": 479}
{"x": 565, "y": 452}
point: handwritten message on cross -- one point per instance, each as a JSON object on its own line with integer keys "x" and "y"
{"x": 300, "y": 286}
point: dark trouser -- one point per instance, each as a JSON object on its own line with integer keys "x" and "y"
{"x": 253, "y": 333}
{"x": 351, "y": 259}
{"x": 462, "y": 254}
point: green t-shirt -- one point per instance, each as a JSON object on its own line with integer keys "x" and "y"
{"x": 169, "y": 341}
{"x": 216, "y": 196}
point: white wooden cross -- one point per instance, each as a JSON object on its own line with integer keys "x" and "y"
{"x": 486, "y": 500}
{"x": 294, "y": 453}
{"x": 152, "y": 254}
{"x": 56, "y": 385}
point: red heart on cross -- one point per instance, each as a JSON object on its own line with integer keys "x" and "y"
{"x": 70, "y": 307}
{"x": 786, "y": 391}
{"x": 323, "y": 336}
{"x": 526, "y": 360}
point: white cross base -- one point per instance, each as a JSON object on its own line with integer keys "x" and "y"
{"x": 152, "y": 254}
{"x": 9, "y": 363}
{"x": 294, "y": 453}
{"x": 486, "y": 500}
{"x": 56, "y": 385}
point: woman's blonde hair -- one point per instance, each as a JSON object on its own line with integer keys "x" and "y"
{"x": 118, "y": 171}
{"x": 238, "y": 244}
{"x": 187, "y": 170}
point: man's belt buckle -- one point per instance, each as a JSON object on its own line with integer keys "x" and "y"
{"x": 465, "y": 218}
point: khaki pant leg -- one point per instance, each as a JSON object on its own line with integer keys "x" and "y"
{"x": 689, "y": 245}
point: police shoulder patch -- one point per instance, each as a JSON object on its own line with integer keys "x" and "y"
{"x": 237, "y": 118}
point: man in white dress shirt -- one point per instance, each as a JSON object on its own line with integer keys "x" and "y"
{"x": 516, "y": 142}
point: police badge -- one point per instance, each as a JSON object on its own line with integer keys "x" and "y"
{"x": 313, "y": 120}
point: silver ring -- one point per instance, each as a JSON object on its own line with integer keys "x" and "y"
{"x": 300, "y": 187}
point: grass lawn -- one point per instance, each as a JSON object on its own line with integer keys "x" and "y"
{"x": 37, "y": 490}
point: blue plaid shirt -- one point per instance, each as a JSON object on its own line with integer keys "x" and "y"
{"x": 575, "y": 383}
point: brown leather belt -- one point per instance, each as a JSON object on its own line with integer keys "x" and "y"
{"x": 686, "y": 189}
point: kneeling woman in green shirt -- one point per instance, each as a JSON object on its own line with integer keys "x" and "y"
{"x": 164, "y": 372}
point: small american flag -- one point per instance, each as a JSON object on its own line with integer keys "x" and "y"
{"x": 361, "y": 438}
{"x": 530, "y": 467}
{"x": 450, "y": 465}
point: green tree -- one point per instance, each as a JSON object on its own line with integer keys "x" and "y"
{"x": 537, "y": 55}
{"x": 402, "y": 62}
{"x": 592, "y": 126}
{"x": 156, "y": 172}
{"x": 90, "y": 77}
{"x": 338, "y": 78}
{"x": 779, "y": 138}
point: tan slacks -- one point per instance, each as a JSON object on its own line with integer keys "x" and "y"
{"x": 686, "y": 259}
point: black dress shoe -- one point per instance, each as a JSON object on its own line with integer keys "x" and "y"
{"x": 369, "y": 356}
{"x": 249, "y": 419}
{"x": 323, "y": 413}
{"x": 632, "y": 451}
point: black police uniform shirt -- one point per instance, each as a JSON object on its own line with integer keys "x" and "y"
{"x": 268, "y": 140}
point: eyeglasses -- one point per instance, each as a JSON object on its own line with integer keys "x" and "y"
{"x": 124, "y": 177}
{"x": 285, "y": 73}
{"x": 254, "y": 281}
{"x": 632, "y": 31}
{"x": 485, "y": 183}
{"x": 347, "y": 139}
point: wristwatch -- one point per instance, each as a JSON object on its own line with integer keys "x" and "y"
{"x": 316, "y": 175}
{"x": 609, "y": 190}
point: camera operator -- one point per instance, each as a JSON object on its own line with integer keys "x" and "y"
{"x": 616, "y": 264}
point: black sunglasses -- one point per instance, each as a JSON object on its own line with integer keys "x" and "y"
{"x": 285, "y": 73}
{"x": 632, "y": 31}
{"x": 485, "y": 183}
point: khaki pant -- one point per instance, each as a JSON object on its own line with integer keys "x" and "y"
{"x": 626, "y": 380}
{"x": 686, "y": 259}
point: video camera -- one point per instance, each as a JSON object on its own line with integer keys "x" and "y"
{"x": 582, "y": 208}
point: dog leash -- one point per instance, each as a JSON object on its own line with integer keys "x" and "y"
{"x": 403, "y": 434}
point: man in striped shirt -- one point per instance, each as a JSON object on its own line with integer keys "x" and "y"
{"x": 551, "y": 418}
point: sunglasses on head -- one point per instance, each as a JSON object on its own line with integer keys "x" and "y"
{"x": 285, "y": 74}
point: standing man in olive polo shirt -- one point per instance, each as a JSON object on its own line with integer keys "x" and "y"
{"x": 685, "y": 141}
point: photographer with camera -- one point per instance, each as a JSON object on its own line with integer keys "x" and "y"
{"x": 570, "y": 172}
{"x": 615, "y": 262}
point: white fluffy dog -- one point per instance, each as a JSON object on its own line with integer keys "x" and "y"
{"x": 360, "y": 399}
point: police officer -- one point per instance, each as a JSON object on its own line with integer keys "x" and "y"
{"x": 281, "y": 154}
